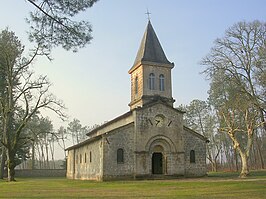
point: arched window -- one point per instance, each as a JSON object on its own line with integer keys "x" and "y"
{"x": 192, "y": 156}
{"x": 161, "y": 82}
{"x": 120, "y": 155}
{"x": 152, "y": 81}
{"x": 85, "y": 158}
{"x": 136, "y": 85}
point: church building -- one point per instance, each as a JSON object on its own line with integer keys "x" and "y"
{"x": 148, "y": 141}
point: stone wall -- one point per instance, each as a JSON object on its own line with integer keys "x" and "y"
{"x": 197, "y": 143}
{"x": 40, "y": 173}
{"x": 122, "y": 138}
{"x": 71, "y": 164}
{"x": 135, "y": 96}
{"x": 167, "y": 134}
{"x": 157, "y": 70}
{"x": 142, "y": 85}
{"x": 85, "y": 162}
{"x": 96, "y": 159}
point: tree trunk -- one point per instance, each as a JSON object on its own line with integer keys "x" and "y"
{"x": 259, "y": 145}
{"x": 33, "y": 156}
{"x": 42, "y": 157}
{"x": 262, "y": 117}
{"x": 39, "y": 153}
{"x": 236, "y": 160}
{"x": 253, "y": 158}
{"x": 213, "y": 162}
{"x": 228, "y": 155}
{"x": 244, "y": 170}
{"x": 47, "y": 155}
{"x": 214, "y": 166}
{"x": 52, "y": 152}
{"x": 2, "y": 163}
{"x": 10, "y": 166}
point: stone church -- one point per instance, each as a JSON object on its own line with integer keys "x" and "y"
{"x": 148, "y": 141}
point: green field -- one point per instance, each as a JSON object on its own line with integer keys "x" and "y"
{"x": 217, "y": 185}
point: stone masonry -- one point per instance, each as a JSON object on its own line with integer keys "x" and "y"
{"x": 150, "y": 140}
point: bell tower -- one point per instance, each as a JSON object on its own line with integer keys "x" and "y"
{"x": 150, "y": 73}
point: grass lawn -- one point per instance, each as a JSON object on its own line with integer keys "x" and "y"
{"x": 217, "y": 185}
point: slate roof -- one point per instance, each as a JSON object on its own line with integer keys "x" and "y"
{"x": 150, "y": 48}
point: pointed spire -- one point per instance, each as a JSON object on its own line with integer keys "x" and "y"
{"x": 150, "y": 48}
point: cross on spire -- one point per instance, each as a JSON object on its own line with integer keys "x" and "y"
{"x": 148, "y": 14}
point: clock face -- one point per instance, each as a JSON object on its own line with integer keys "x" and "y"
{"x": 159, "y": 121}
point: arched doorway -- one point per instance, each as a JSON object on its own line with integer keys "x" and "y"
{"x": 157, "y": 163}
{"x": 159, "y": 148}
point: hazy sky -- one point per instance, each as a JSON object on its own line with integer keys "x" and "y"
{"x": 94, "y": 82}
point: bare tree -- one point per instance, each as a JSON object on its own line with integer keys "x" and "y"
{"x": 240, "y": 55}
{"x": 240, "y": 124}
{"x": 22, "y": 91}
{"x": 235, "y": 65}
